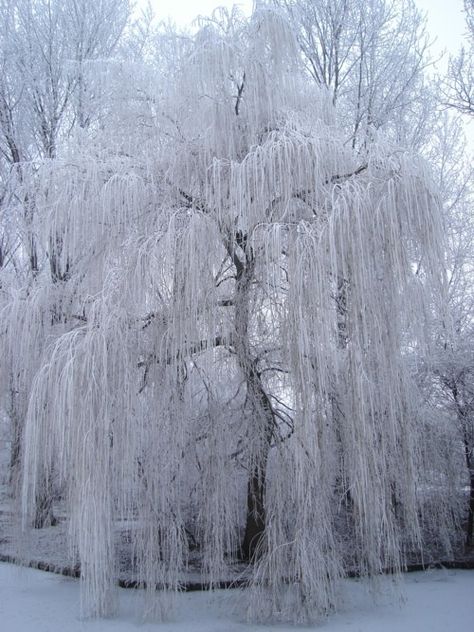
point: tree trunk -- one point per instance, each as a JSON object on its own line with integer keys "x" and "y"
{"x": 253, "y": 542}
{"x": 256, "y": 517}
{"x": 258, "y": 401}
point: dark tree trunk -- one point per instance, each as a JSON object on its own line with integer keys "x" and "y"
{"x": 258, "y": 402}
{"x": 253, "y": 540}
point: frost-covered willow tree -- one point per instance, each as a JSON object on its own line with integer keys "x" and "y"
{"x": 235, "y": 386}
{"x": 47, "y": 51}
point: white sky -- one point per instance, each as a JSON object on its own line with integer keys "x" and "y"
{"x": 446, "y": 23}
{"x": 183, "y": 12}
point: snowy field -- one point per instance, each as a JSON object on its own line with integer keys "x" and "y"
{"x": 434, "y": 601}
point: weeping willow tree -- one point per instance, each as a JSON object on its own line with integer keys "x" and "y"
{"x": 231, "y": 379}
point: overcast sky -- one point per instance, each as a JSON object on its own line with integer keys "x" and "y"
{"x": 445, "y": 22}
{"x": 183, "y": 12}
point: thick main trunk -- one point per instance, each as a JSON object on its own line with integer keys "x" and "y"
{"x": 256, "y": 516}
{"x": 259, "y": 405}
{"x": 253, "y": 542}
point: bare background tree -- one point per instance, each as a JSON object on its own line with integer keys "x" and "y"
{"x": 371, "y": 56}
{"x": 460, "y": 79}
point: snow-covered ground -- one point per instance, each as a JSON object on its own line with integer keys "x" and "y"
{"x": 434, "y": 601}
